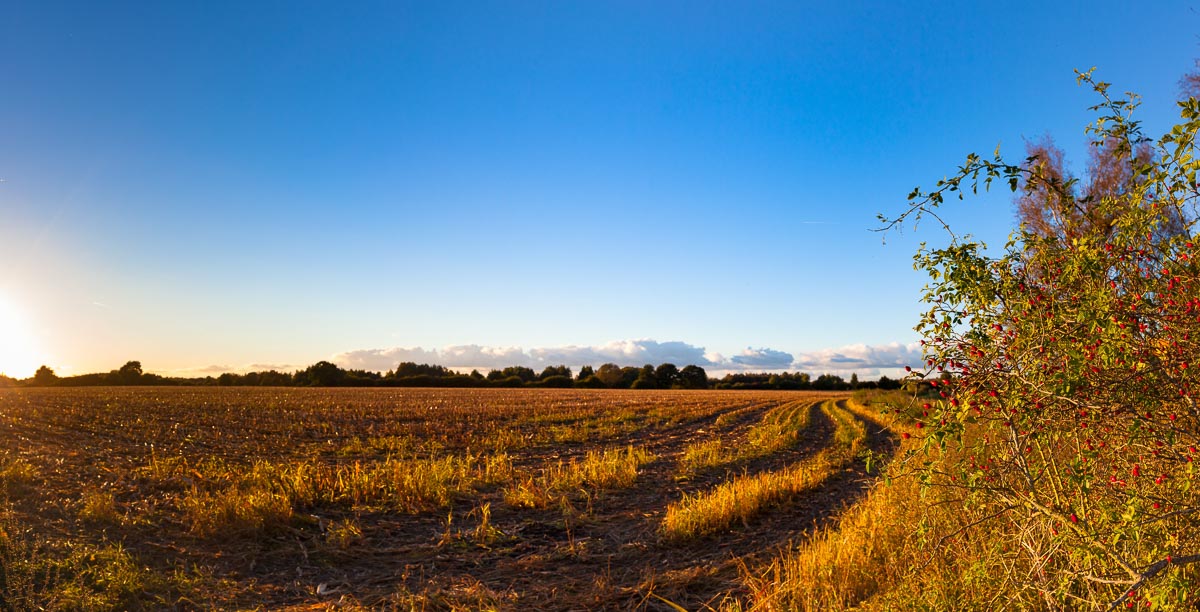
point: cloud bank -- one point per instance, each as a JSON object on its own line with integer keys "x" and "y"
{"x": 863, "y": 359}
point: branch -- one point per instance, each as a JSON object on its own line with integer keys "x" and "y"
{"x": 1150, "y": 572}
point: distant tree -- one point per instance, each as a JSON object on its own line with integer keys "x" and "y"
{"x": 521, "y": 372}
{"x": 271, "y": 378}
{"x": 130, "y": 373}
{"x": 628, "y": 375}
{"x": 44, "y": 377}
{"x": 560, "y": 370}
{"x": 829, "y": 382}
{"x": 591, "y": 382}
{"x": 510, "y": 381}
{"x": 645, "y": 379}
{"x": 666, "y": 375}
{"x": 585, "y": 372}
{"x": 886, "y": 383}
{"x": 692, "y": 377}
{"x": 854, "y": 380}
{"x": 321, "y": 374}
{"x": 557, "y": 381}
{"x": 408, "y": 368}
{"x": 476, "y": 375}
{"x": 609, "y": 374}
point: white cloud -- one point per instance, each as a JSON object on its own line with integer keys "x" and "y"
{"x": 475, "y": 356}
{"x": 868, "y": 361}
{"x": 379, "y": 360}
{"x": 864, "y": 359}
{"x": 621, "y": 352}
{"x": 763, "y": 359}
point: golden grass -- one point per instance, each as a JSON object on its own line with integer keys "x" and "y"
{"x": 780, "y": 428}
{"x": 344, "y": 534}
{"x": 740, "y": 499}
{"x": 266, "y": 495}
{"x": 98, "y": 507}
{"x": 607, "y": 469}
{"x": 703, "y": 454}
{"x": 889, "y": 551}
{"x": 235, "y": 512}
{"x": 16, "y": 475}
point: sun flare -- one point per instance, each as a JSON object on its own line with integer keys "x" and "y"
{"x": 19, "y": 355}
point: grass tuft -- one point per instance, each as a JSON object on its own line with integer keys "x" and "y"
{"x": 608, "y": 469}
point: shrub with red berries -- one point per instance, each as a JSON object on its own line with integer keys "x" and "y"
{"x": 1070, "y": 419}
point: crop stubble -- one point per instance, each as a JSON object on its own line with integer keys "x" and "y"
{"x": 145, "y": 471}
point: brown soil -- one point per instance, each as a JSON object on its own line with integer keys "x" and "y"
{"x": 604, "y": 553}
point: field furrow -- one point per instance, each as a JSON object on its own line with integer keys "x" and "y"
{"x": 437, "y": 499}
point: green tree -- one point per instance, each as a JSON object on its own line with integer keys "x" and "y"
{"x": 560, "y": 370}
{"x": 666, "y": 375}
{"x": 609, "y": 374}
{"x": 692, "y": 377}
{"x": 1065, "y": 370}
{"x": 645, "y": 379}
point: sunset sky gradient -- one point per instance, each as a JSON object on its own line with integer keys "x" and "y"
{"x": 228, "y": 186}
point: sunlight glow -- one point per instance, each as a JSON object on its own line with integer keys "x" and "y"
{"x": 19, "y": 355}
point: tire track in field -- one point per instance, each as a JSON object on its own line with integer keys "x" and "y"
{"x": 614, "y": 557}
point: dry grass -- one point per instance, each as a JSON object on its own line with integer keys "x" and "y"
{"x": 780, "y": 428}
{"x": 344, "y": 534}
{"x": 16, "y": 476}
{"x": 740, "y": 499}
{"x": 234, "y": 512}
{"x": 887, "y": 552}
{"x": 608, "y": 469}
{"x": 264, "y": 496}
{"x": 99, "y": 508}
{"x": 244, "y": 498}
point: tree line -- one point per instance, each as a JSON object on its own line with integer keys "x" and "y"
{"x": 410, "y": 374}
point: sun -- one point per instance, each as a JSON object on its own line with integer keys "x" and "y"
{"x": 19, "y": 355}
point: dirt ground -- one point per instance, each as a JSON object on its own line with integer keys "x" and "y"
{"x": 600, "y": 550}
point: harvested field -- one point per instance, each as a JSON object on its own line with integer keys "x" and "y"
{"x": 433, "y": 499}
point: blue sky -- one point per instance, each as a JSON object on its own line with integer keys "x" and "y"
{"x": 209, "y": 186}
